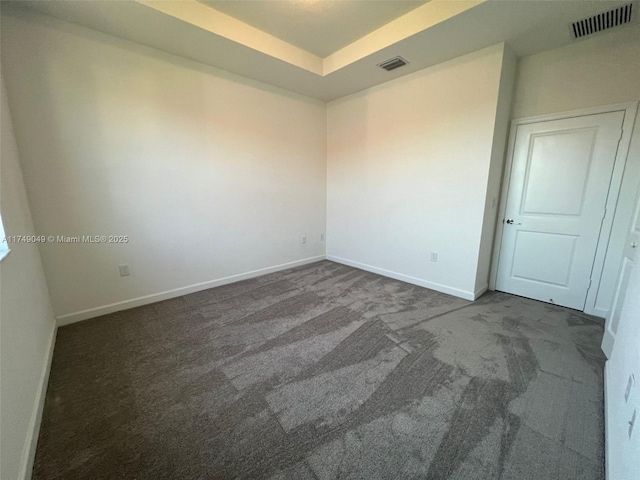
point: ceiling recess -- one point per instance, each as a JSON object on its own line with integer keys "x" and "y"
{"x": 393, "y": 63}
{"x": 603, "y": 21}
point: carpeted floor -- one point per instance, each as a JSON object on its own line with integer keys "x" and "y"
{"x": 326, "y": 372}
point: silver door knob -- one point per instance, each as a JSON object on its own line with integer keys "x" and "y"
{"x": 634, "y": 244}
{"x": 510, "y": 221}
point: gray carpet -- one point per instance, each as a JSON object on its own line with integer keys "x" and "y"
{"x": 326, "y": 372}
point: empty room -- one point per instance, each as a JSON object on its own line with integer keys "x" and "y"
{"x": 320, "y": 239}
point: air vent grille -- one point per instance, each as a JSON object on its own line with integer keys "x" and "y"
{"x": 603, "y": 21}
{"x": 393, "y": 63}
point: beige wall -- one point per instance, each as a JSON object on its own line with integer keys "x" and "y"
{"x": 210, "y": 175}
{"x": 27, "y": 323}
{"x": 409, "y": 173}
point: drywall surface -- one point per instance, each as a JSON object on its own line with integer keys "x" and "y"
{"x": 209, "y": 175}
{"x": 623, "y": 449}
{"x": 408, "y": 170}
{"x": 496, "y": 168}
{"x": 27, "y": 323}
{"x": 603, "y": 70}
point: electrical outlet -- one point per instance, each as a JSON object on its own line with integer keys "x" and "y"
{"x": 630, "y": 382}
{"x": 124, "y": 269}
{"x": 434, "y": 257}
{"x": 322, "y": 237}
{"x": 303, "y": 239}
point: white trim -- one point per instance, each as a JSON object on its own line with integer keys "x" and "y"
{"x": 599, "y": 312}
{"x": 497, "y": 243}
{"x": 480, "y": 291}
{"x": 608, "y": 340}
{"x": 31, "y": 442}
{"x": 177, "y": 292}
{"x": 607, "y": 416}
{"x": 549, "y": 117}
{"x": 456, "y": 292}
{"x": 615, "y": 187}
{"x": 630, "y": 109}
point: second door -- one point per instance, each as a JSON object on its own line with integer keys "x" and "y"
{"x": 558, "y": 188}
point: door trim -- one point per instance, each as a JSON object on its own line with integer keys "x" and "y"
{"x": 630, "y": 109}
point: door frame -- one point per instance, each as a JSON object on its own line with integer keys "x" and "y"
{"x": 630, "y": 109}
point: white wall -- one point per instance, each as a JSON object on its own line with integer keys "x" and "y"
{"x": 27, "y": 324}
{"x": 623, "y": 452}
{"x": 603, "y": 70}
{"x": 408, "y": 167}
{"x": 496, "y": 167}
{"x": 209, "y": 174}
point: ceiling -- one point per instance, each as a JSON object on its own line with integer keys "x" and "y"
{"x": 300, "y": 45}
{"x": 319, "y": 27}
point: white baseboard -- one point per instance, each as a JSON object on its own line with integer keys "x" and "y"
{"x": 607, "y": 417}
{"x": 598, "y": 312}
{"x": 178, "y": 292}
{"x": 607, "y": 343}
{"x": 456, "y": 292}
{"x": 31, "y": 442}
{"x": 479, "y": 292}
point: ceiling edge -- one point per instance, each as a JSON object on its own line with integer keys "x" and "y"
{"x": 223, "y": 25}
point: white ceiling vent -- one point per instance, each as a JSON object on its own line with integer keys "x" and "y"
{"x": 393, "y": 63}
{"x": 603, "y": 21}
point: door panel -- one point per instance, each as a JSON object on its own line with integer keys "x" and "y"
{"x": 570, "y": 156}
{"x": 558, "y": 189}
{"x": 538, "y": 244}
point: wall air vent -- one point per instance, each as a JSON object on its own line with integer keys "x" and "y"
{"x": 393, "y": 63}
{"x": 603, "y": 21}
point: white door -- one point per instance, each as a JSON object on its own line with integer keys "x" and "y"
{"x": 558, "y": 189}
{"x": 630, "y": 256}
